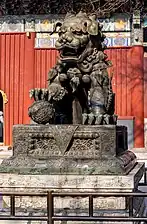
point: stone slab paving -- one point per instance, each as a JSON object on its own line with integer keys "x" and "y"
{"x": 5, "y": 152}
{"x": 13, "y": 222}
{"x": 23, "y": 222}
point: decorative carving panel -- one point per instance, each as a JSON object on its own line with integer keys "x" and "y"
{"x": 70, "y": 141}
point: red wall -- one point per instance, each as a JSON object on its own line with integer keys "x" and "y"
{"x": 23, "y": 67}
{"x": 145, "y": 84}
{"x": 16, "y": 78}
{"x": 128, "y": 80}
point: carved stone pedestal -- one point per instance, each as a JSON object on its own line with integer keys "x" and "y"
{"x": 71, "y": 149}
{"x": 71, "y": 158}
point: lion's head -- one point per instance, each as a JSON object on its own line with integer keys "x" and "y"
{"x": 78, "y": 34}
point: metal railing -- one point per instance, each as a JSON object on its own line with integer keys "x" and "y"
{"x": 50, "y": 218}
{"x": 13, "y": 215}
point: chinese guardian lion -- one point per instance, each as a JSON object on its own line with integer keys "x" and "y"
{"x": 79, "y": 88}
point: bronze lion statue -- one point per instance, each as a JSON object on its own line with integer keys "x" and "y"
{"x": 79, "y": 88}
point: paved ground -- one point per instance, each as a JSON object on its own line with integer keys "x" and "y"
{"x": 4, "y": 153}
{"x": 20, "y": 222}
{"x": 15, "y": 222}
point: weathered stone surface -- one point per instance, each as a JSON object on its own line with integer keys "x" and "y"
{"x": 74, "y": 149}
{"x": 53, "y": 140}
{"x": 11, "y": 182}
{"x": 74, "y": 206}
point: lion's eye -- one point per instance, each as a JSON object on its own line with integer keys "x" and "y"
{"x": 77, "y": 32}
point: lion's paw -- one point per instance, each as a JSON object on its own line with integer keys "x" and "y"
{"x": 92, "y": 119}
{"x": 99, "y": 119}
{"x": 39, "y": 94}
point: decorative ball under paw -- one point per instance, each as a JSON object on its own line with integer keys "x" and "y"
{"x": 41, "y": 112}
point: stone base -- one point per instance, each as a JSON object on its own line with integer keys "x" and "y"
{"x": 141, "y": 155}
{"x": 24, "y": 165}
{"x": 78, "y": 183}
{"x": 72, "y": 149}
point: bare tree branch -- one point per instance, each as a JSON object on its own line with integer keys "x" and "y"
{"x": 104, "y": 7}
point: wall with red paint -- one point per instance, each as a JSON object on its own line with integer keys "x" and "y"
{"x": 128, "y": 79}
{"x": 44, "y": 60}
{"x": 145, "y": 84}
{"x": 16, "y": 78}
{"x": 23, "y": 67}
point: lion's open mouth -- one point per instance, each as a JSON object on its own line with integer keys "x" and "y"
{"x": 70, "y": 53}
{"x": 66, "y": 52}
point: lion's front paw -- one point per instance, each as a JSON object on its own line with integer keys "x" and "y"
{"x": 98, "y": 119}
{"x": 92, "y": 119}
{"x": 39, "y": 94}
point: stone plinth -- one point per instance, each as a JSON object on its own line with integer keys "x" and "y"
{"x": 72, "y": 149}
{"x": 71, "y": 158}
{"x": 78, "y": 183}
